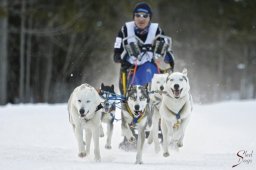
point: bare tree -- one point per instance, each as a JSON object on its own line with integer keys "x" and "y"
{"x": 3, "y": 53}
{"x": 22, "y": 52}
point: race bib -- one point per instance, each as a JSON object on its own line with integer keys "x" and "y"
{"x": 118, "y": 42}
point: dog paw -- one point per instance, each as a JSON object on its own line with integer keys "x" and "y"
{"x": 166, "y": 154}
{"x": 97, "y": 159}
{"x": 180, "y": 145}
{"x": 108, "y": 147}
{"x": 150, "y": 140}
{"x": 138, "y": 162}
{"x": 132, "y": 139}
{"x": 82, "y": 154}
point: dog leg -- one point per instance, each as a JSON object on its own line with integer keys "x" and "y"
{"x": 96, "y": 136}
{"x": 126, "y": 131}
{"x": 155, "y": 133}
{"x": 101, "y": 131}
{"x": 182, "y": 132}
{"x": 165, "y": 138}
{"x": 79, "y": 137}
{"x": 128, "y": 134}
{"x": 140, "y": 143}
{"x": 88, "y": 137}
{"x": 150, "y": 136}
{"x": 110, "y": 126}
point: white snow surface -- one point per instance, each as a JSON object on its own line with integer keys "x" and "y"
{"x": 39, "y": 137}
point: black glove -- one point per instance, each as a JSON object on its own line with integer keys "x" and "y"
{"x": 117, "y": 58}
{"x": 125, "y": 64}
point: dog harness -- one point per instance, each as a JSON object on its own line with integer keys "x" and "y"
{"x": 97, "y": 109}
{"x": 177, "y": 115}
{"x": 157, "y": 103}
{"x": 147, "y": 56}
{"x": 136, "y": 119}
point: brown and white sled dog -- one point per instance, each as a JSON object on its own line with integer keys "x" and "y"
{"x": 135, "y": 113}
{"x": 175, "y": 110}
{"x": 157, "y": 87}
{"x": 84, "y": 115}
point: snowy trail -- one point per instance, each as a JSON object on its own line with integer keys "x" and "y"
{"x": 40, "y": 137}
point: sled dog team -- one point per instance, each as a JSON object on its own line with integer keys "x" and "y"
{"x": 166, "y": 102}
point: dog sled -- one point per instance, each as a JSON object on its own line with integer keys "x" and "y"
{"x": 141, "y": 73}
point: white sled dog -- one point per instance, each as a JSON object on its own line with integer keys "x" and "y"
{"x": 84, "y": 107}
{"x": 175, "y": 110}
{"x": 157, "y": 87}
{"x": 135, "y": 113}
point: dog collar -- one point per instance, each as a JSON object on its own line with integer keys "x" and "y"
{"x": 135, "y": 119}
{"x": 177, "y": 115}
{"x": 97, "y": 109}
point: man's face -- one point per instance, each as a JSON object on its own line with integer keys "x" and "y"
{"x": 141, "y": 20}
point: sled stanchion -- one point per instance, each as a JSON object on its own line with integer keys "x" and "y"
{"x": 124, "y": 82}
{"x": 134, "y": 72}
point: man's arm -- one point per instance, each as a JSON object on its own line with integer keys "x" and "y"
{"x": 169, "y": 57}
{"x": 118, "y": 46}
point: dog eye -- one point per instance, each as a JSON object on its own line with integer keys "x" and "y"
{"x": 79, "y": 101}
{"x": 133, "y": 97}
{"x": 181, "y": 79}
{"x": 88, "y": 101}
{"x": 158, "y": 82}
{"x": 171, "y": 79}
{"x": 142, "y": 98}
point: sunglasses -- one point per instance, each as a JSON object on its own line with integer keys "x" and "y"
{"x": 142, "y": 15}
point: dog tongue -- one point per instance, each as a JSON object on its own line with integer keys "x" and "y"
{"x": 176, "y": 92}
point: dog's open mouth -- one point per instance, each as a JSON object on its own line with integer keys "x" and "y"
{"x": 177, "y": 92}
{"x": 82, "y": 115}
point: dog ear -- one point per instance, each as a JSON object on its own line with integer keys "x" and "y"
{"x": 102, "y": 85}
{"x": 185, "y": 72}
{"x": 112, "y": 87}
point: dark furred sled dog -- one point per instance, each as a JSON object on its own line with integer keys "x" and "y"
{"x": 108, "y": 111}
{"x": 135, "y": 113}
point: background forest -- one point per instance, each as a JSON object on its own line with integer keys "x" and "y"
{"x": 48, "y": 47}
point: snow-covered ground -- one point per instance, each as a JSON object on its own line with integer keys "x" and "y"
{"x": 34, "y": 137}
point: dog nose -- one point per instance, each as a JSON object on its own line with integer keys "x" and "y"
{"x": 137, "y": 107}
{"x": 81, "y": 111}
{"x": 176, "y": 86}
{"x": 161, "y": 88}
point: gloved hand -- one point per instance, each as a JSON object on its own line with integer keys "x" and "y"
{"x": 125, "y": 64}
{"x": 168, "y": 58}
{"x": 117, "y": 58}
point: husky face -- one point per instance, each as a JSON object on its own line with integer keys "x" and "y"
{"x": 86, "y": 101}
{"x": 108, "y": 92}
{"x": 137, "y": 99}
{"x": 158, "y": 82}
{"x": 177, "y": 84}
